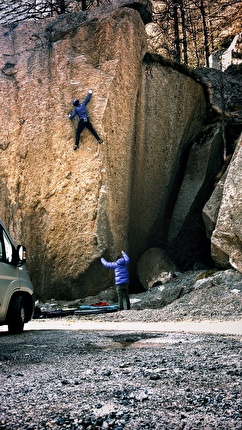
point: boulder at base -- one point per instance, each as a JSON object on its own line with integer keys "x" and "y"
{"x": 154, "y": 267}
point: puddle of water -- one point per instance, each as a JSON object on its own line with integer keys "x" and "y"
{"x": 159, "y": 341}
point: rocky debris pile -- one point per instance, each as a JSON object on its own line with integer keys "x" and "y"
{"x": 193, "y": 295}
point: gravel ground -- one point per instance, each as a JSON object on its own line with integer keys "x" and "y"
{"x": 76, "y": 379}
{"x": 131, "y": 380}
{"x": 114, "y": 380}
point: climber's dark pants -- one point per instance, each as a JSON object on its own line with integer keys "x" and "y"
{"x": 81, "y": 125}
{"x": 123, "y": 291}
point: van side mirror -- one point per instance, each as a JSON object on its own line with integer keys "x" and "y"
{"x": 21, "y": 254}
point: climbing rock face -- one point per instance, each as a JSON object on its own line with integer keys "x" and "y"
{"x": 70, "y": 207}
{"x": 226, "y": 241}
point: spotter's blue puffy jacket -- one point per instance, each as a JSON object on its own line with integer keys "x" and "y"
{"x": 81, "y": 110}
{"x": 120, "y": 267}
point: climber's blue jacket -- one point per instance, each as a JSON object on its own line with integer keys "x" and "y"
{"x": 120, "y": 269}
{"x": 81, "y": 110}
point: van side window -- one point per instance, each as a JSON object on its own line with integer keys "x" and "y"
{"x": 1, "y": 247}
{"x": 8, "y": 249}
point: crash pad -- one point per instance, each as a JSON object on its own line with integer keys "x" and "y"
{"x": 86, "y": 310}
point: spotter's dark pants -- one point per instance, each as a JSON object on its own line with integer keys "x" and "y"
{"x": 123, "y": 291}
{"x": 85, "y": 124}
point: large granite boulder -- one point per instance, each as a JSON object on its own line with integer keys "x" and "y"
{"x": 226, "y": 241}
{"x": 70, "y": 208}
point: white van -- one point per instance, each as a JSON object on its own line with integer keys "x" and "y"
{"x": 16, "y": 289}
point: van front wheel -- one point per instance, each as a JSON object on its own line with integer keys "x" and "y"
{"x": 16, "y": 315}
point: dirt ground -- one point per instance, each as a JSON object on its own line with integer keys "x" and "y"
{"x": 110, "y": 323}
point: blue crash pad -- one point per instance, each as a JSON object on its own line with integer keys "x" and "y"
{"x": 86, "y": 310}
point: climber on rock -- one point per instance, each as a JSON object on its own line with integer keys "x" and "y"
{"x": 81, "y": 111}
